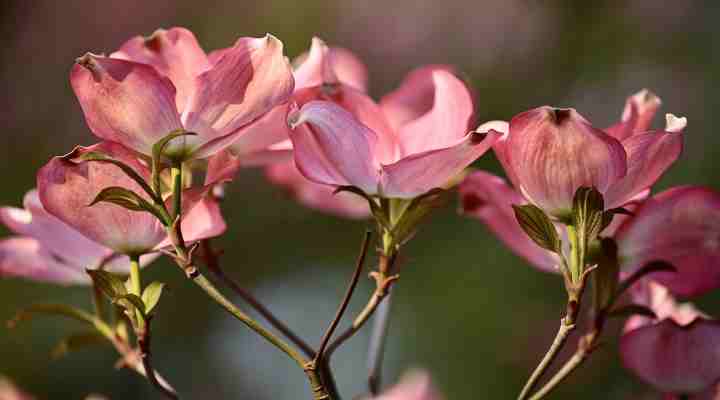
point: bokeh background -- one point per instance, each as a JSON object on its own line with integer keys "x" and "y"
{"x": 466, "y": 309}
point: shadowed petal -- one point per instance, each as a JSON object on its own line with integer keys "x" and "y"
{"x": 680, "y": 226}
{"x": 124, "y": 101}
{"x": 25, "y": 257}
{"x": 419, "y": 173}
{"x": 489, "y": 199}
{"x": 333, "y": 148}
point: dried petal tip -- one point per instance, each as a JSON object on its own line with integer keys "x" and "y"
{"x": 674, "y": 124}
{"x": 645, "y": 98}
{"x": 88, "y": 61}
{"x": 155, "y": 41}
{"x": 560, "y": 115}
{"x": 476, "y": 136}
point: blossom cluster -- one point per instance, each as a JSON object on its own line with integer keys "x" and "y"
{"x": 174, "y": 124}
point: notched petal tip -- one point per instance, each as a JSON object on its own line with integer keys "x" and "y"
{"x": 646, "y": 97}
{"x": 156, "y": 40}
{"x": 90, "y": 63}
{"x": 561, "y": 115}
{"x": 674, "y": 124}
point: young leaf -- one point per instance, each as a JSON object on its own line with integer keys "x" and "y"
{"x": 129, "y": 300}
{"x": 157, "y": 155}
{"x": 111, "y": 285}
{"x": 131, "y": 173}
{"x": 62, "y": 310}
{"x": 77, "y": 341}
{"x": 588, "y": 207}
{"x": 127, "y": 199}
{"x": 537, "y": 226}
{"x": 151, "y": 295}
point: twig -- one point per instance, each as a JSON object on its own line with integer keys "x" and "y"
{"x": 348, "y": 295}
{"x": 211, "y": 261}
{"x": 586, "y": 345}
{"x": 376, "y": 348}
{"x": 146, "y": 357}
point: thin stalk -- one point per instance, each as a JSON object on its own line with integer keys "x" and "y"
{"x": 136, "y": 286}
{"x": 571, "y": 365}
{"x": 213, "y": 265}
{"x": 560, "y": 338}
{"x": 177, "y": 180}
{"x": 146, "y": 358}
{"x": 376, "y": 348}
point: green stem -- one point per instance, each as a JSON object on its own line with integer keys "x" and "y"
{"x": 571, "y": 365}
{"x": 176, "y": 177}
{"x": 575, "y": 254}
{"x": 135, "y": 281}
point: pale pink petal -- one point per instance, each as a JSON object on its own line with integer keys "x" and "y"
{"x": 329, "y": 65}
{"x": 649, "y": 155}
{"x": 244, "y": 83}
{"x": 422, "y": 172}
{"x": 680, "y": 226}
{"x": 414, "y": 386}
{"x": 553, "y": 152}
{"x": 203, "y": 220}
{"x": 174, "y": 53}
{"x": 489, "y": 199}
{"x": 270, "y": 129}
{"x": 333, "y": 148}
{"x": 674, "y": 358}
{"x": 637, "y": 116}
{"x": 125, "y": 102}
{"x": 431, "y": 110}
{"x": 317, "y": 196}
{"x": 25, "y": 257}
{"x": 66, "y": 188}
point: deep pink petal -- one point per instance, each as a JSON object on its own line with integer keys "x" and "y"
{"x": 649, "y": 155}
{"x": 637, "y": 116}
{"x": 244, "y": 83}
{"x": 125, "y": 102}
{"x": 680, "y": 226}
{"x": 25, "y": 257}
{"x": 333, "y": 148}
{"x": 553, "y": 152}
{"x": 316, "y": 196}
{"x": 329, "y": 65}
{"x": 431, "y": 110}
{"x": 674, "y": 358}
{"x": 174, "y": 53}
{"x": 489, "y": 199}
{"x": 66, "y": 188}
{"x": 419, "y": 173}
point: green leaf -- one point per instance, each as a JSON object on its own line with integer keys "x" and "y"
{"x": 129, "y": 171}
{"x": 537, "y": 226}
{"x": 128, "y": 199}
{"x": 111, "y": 285}
{"x": 375, "y": 209}
{"x": 62, "y": 310}
{"x": 588, "y": 207}
{"x": 151, "y": 295}
{"x": 77, "y": 341}
{"x": 607, "y": 275}
{"x": 416, "y": 211}
{"x": 630, "y": 310}
{"x": 158, "y": 150}
{"x": 129, "y": 301}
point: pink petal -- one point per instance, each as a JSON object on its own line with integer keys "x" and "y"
{"x": 680, "y": 226}
{"x": 124, "y": 101}
{"x": 245, "y": 82}
{"x": 419, "y": 173}
{"x": 67, "y": 187}
{"x": 55, "y": 236}
{"x": 553, "y": 152}
{"x": 489, "y": 199}
{"x": 674, "y": 358}
{"x": 333, "y": 148}
{"x": 174, "y": 53}
{"x": 431, "y": 110}
{"x": 649, "y": 155}
{"x": 258, "y": 136}
{"x": 414, "y": 386}
{"x": 330, "y": 65}
{"x": 316, "y": 196}
{"x": 637, "y": 116}
{"x": 203, "y": 220}
{"x": 25, "y": 257}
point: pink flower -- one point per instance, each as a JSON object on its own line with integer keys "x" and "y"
{"x": 680, "y": 226}
{"x": 8, "y": 391}
{"x": 414, "y": 386}
{"x": 679, "y": 352}
{"x": 414, "y": 141}
{"x": 549, "y": 153}
{"x": 153, "y": 86}
{"x": 66, "y": 187}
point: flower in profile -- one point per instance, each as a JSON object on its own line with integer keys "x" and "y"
{"x": 414, "y": 141}
{"x": 67, "y": 185}
{"x": 550, "y": 153}
{"x": 414, "y": 386}
{"x": 679, "y": 351}
{"x": 153, "y": 86}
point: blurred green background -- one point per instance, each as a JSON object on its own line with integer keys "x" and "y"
{"x": 466, "y": 308}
